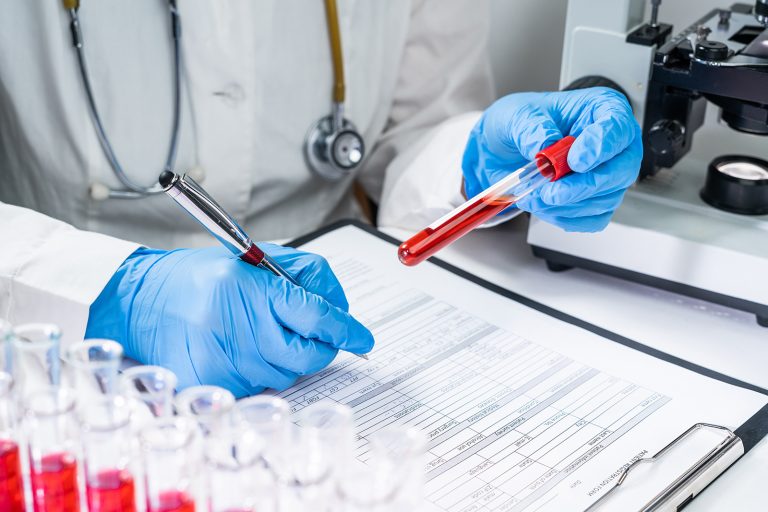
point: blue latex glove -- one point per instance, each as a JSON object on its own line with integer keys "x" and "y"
{"x": 213, "y": 319}
{"x": 605, "y": 157}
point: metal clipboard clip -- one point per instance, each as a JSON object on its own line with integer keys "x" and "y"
{"x": 682, "y": 489}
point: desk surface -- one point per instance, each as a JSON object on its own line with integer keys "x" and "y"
{"x": 713, "y": 336}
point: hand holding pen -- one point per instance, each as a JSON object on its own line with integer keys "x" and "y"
{"x": 203, "y": 208}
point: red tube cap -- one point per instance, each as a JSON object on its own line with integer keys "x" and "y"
{"x": 557, "y": 156}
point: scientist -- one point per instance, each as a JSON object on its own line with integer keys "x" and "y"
{"x": 97, "y": 98}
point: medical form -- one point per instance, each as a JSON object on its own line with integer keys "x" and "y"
{"x": 522, "y": 411}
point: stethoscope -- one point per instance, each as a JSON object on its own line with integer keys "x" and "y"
{"x": 333, "y": 148}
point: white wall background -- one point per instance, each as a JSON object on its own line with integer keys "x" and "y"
{"x": 527, "y": 38}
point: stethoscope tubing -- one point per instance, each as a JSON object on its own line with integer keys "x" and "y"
{"x": 326, "y": 165}
{"x": 132, "y": 189}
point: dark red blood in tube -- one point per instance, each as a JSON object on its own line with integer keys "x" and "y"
{"x": 428, "y": 241}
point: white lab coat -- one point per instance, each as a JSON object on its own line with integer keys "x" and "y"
{"x": 257, "y": 74}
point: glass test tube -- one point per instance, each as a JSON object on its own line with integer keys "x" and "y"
{"x": 234, "y": 473}
{"x": 323, "y": 446}
{"x": 270, "y": 418}
{"x": 298, "y": 477}
{"x": 11, "y": 476}
{"x": 237, "y": 480}
{"x": 149, "y": 391}
{"x": 306, "y": 458}
{"x": 91, "y": 368}
{"x": 209, "y": 406}
{"x": 328, "y": 429}
{"x": 36, "y": 358}
{"x": 109, "y": 455}
{"x": 550, "y": 164}
{"x": 391, "y": 479}
{"x": 171, "y": 454}
{"x": 51, "y": 426}
{"x": 150, "y": 388}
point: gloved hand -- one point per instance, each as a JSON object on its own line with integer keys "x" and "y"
{"x": 605, "y": 157}
{"x": 213, "y": 319}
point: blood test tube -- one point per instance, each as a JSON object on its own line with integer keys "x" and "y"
{"x": 109, "y": 455}
{"x": 91, "y": 368}
{"x": 11, "y": 477}
{"x": 36, "y": 361}
{"x": 172, "y": 458}
{"x": 52, "y": 432}
{"x": 550, "y": 164}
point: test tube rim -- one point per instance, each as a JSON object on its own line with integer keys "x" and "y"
{"x": 344, "y": 429}
{"x": 182, "y": 401}
{"x": 284, "y": 406}
{"x": 53, "y": 336}
{"x": 68, "y": 358}
{"x": 132, "y": 372}
{"x": 325, "y": 403}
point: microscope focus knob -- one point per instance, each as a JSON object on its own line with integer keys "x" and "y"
{"x": 666, "y": 137}
{"x": 711, "y": 50}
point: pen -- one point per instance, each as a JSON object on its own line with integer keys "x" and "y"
{"x": 205, "y": 210}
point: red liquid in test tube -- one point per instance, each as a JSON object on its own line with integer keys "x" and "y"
{"x": 430, "y": 240}
{"x": 111, "y": 490}
{"x": 11, "y": 483}
{"x": 173, "y": 501}
{"x": 54, "y": 484}
{"x": 550, "y": 164}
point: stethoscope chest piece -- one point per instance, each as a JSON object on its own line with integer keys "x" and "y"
{"x": 333, "y": 152}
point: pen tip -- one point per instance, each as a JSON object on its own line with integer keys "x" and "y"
{"x": 364, "y": 356}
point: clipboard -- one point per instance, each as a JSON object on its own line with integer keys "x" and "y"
{"x": 686, "y": 480}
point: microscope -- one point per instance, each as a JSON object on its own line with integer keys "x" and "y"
{"x": 696, "y": 221}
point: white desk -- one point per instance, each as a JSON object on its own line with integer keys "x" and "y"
{"x": 716, "y": 337}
